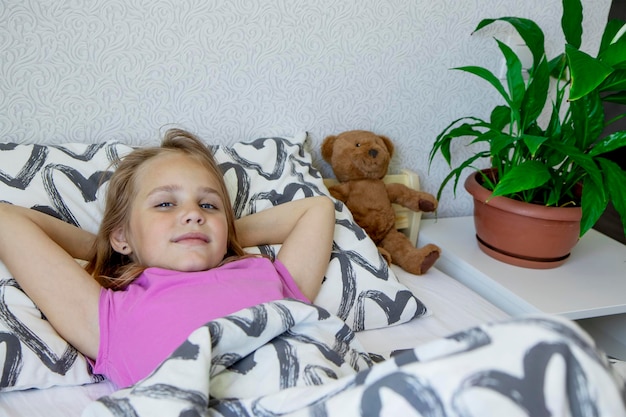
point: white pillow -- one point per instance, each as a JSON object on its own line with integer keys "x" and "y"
{"x": 359, "y": 287}
{"x": 33, "y": 354}
{"x": 62, "y": 180}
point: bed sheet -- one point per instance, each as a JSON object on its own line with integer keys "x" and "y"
{"x": 452, "y": 306}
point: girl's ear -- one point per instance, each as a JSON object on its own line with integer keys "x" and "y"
{"x": 119, "y": 242}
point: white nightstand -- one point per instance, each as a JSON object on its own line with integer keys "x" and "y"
{"x": 590, "y": 287}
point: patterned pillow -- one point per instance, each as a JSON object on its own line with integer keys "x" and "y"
{"x": 358, "y": 287}
{"x": 62, "y": 180}
{"x": 33, "y": 354}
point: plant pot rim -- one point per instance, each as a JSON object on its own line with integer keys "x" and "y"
{"x": 482, "y": 195}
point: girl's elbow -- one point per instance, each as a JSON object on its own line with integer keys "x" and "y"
{"x": 326, "y": 204}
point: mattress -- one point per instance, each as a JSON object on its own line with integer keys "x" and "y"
{"x": 452, "y": 307}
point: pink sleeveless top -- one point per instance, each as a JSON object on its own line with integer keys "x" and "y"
{"x": 143, "y": 324}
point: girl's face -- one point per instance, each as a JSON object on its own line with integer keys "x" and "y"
{"x": 177, "y": 219}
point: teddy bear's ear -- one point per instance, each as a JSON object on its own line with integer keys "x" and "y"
{"x": 327, "y": 147}
{"x": 388, "y": 144}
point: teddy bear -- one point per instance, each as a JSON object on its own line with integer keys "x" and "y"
{"x": 359, "y": 160}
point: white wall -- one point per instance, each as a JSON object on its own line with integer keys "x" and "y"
{"x": 90, "y": 70}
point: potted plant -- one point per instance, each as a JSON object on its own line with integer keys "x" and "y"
{"x": 545, "y": 143}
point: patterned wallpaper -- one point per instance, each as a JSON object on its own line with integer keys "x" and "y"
{"x": 90, "y": 70}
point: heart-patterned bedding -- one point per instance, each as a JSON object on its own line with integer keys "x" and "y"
{"x": 288, "y": 358}
{"x": 32, "y": 353}
{"x": 68, "y": 181}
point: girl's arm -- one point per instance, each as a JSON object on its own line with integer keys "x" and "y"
{"x": 77, "y": 242}
{"x": 304, "y": 228}
{"x": 39, "y": 251}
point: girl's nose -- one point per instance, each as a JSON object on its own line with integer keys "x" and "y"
{"x": 194, "y": 219}
{"x": 193, "y": 216}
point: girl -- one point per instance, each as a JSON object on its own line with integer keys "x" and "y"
{"x": 168, "y": 258}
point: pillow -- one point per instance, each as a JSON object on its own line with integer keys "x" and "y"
{"x": 359, "y": 287}
{"x": 62, "y": 180}
{"x": 33, "y": 354}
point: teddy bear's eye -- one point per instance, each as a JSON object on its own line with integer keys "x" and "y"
{"x": 358, "y": 145}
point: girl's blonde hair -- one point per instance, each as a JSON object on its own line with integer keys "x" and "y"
{"x": 114, "y": 270}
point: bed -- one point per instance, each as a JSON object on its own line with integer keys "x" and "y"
{"x": 381, "y": 312}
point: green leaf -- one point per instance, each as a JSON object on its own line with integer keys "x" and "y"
{"x": 588, "y": 119}
{"x": 615, "y": 54}
{"x": 443, "y": 140}
{"x": 529, "y": 31}
{"x": 500, "y": 117}
{"x": 555, "y": 196}
{"x": 500, "y": 142}
{"x": 466, "y": 129}
{"x": 593, "y": 204}
{"x": 609, "y": 143}
{"x": 557, "y": 67}
{"x": 456, "y": 172}
{"x": 533, "y": 142}
{"x": 587, "y": 73}
{"x": 489, "y": 77}
{"x": 613, "y": 31}
{"x": 486, "y": 137}
{"x": 572, "y": 22}
{"x": 616, "y": 81}
{"x": 536, "y": 94}
{"x": 584, "y": 161}
{"x": 528, "y": 175}
{"x": 554, "y": 128}
{"x": 615, "y": 178}
{"x": 514, "y": 77}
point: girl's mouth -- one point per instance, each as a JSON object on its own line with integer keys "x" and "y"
{"x": 192, "y": 238}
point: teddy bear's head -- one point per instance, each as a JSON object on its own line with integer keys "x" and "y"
{"x": 358, "y": 154}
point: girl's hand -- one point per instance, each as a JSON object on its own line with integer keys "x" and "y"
{"x": 304, "y": 228}
{"x": 75, "y": 241}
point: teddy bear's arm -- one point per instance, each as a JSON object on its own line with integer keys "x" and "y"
{"x": 411, "y": 199}
{"x": 340, "y": 191}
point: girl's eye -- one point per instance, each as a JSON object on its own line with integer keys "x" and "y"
{"x": 164, "y": 204}
{"x": 208, "y": 206}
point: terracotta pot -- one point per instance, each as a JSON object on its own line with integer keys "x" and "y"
{"x": 523, "y": 234}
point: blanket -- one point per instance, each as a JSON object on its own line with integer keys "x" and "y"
{"x": 288, "y": 358}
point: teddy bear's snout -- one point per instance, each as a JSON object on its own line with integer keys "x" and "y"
{"x": 373, "y": 153}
